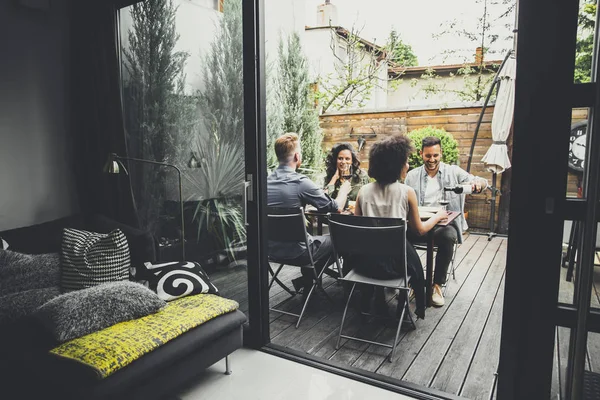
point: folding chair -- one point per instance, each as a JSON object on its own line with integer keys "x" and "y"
{"x": 288, "y": 225}
{"x": 451, "y": 269}
{"x": 367, "y": 236}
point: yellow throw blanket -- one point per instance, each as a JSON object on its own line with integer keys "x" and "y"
{"x": 112, "y": 348}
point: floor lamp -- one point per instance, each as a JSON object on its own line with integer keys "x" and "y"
{"x": 114, "y": 165}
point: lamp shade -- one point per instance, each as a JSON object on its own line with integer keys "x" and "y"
{"x": 113, "y": 165}
{"x": 361, "y": 143}
{"x": 193, "y": 162}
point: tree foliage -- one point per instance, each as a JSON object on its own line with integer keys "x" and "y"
{"x": 298, "y": 104}
{"x": 222, "y": 100}
{"x": 220, "y": 138}
{"x": 274, "y": 112}
{"x": 357, "y": 71}
{"x": 585, "y": 41}
{"x": 400, "y": 53}
{"x": 158, "y": 114}
{"x": 493, "y": 31}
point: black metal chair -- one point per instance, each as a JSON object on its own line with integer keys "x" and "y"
{"x": 288, "y": 225}
{"x": 356, "y": 236}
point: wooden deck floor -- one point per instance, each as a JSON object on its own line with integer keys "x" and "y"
{"x": 454, "y": 349}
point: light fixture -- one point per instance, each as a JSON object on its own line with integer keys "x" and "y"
{"x": 114, "y": 165}
{"x": 361, "y": 143}
{"x": 361, "y": 137}
{"x": 193, "y": 162}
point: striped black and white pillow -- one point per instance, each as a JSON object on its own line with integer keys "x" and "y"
{"x": 90, "y": 259}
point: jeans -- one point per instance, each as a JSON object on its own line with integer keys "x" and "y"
{"x": 444, "y": 237}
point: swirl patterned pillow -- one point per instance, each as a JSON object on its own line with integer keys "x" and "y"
{"x": 173, "y": 280}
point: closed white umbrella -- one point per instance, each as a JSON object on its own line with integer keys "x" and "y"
{"x": 496, "y": 158}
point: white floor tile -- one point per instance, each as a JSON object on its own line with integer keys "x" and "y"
{"x": 260, "y": 376}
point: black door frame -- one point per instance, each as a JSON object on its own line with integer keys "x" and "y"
{"x": 545, "y": 97}
{"x": 256, "y": 171}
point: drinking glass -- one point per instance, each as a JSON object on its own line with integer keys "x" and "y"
{"x": 444, "y": 201}
{"x": 346, "y": 171}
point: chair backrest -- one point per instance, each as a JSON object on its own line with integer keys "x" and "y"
{"x": 357, "y": 235}
{"x": 286, "y": 224}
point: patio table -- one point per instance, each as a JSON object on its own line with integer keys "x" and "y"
{"x": 316, "y": 219}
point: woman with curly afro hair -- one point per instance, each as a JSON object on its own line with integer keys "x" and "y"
{"x": 387, "y": 197}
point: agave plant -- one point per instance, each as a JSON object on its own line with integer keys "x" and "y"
{"x": 218, "y": 187}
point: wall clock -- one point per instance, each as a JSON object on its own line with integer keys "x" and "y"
{"x": 577, "y": 142}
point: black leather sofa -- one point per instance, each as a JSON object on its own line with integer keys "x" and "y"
{"x": 27, "y": 371}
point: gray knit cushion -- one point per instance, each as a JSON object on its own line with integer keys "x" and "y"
{"x": 90, "y": 258}
{"x": 16, "y": 305}
{"x": 20, "y": 272}
{"x": 81, "y": 312}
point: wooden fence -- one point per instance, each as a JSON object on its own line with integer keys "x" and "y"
{"x": 460, "y": 122}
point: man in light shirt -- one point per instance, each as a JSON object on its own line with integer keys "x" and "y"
{"x": 429, "y": 181}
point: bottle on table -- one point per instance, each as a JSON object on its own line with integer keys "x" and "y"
{"x": 459, "y": 189}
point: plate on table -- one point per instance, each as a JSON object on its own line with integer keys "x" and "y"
{"x": 428, "y": 209}
{"x": 427, "y": 212}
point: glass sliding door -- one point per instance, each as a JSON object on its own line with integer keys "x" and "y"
{"x": 549, "y": 348}
{"x": 184, "y": 65}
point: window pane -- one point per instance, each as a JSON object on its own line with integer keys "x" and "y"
{"x": 183, "y": 105}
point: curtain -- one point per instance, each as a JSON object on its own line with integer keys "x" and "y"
{"x": 97, "y": 120}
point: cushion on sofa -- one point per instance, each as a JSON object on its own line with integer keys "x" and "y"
{"x": 3, "y": 244}
{"x": 17, "y": 305}
{"x": 110, "y": 349}
{"x": 19, "y": 272}
{"x": 143, "y": 246}
{"x": 90, "y": 258}
{"x": 173, "y": 280}
{"x": 81, "y": 312}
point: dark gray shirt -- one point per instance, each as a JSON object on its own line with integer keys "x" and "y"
{"x": 287, "y": 188}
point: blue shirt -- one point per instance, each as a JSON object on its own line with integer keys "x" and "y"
{"x": 287, "y": 188}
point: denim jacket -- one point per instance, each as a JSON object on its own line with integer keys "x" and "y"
{"x": 448, "y": 175}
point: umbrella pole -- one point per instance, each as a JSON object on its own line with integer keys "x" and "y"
{"x": 492, "y": 231}
{"x": 495, "y": 82}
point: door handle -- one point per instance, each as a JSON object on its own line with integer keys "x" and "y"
{"x": 247, "y": 196}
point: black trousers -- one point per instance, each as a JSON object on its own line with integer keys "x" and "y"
{"x": 322, "y": 251}
{"x": 444, "y": 237}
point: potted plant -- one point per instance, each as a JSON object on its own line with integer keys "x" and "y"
{"x": 217, "y": 210}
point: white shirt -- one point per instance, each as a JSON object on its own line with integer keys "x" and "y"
{"x": 390, "y": 201}
{"x": 433, "y": 192}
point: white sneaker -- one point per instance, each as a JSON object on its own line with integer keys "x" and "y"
{"x": 437, "y": 298}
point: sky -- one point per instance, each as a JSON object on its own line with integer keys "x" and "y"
{"x": 417, "y": 21}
